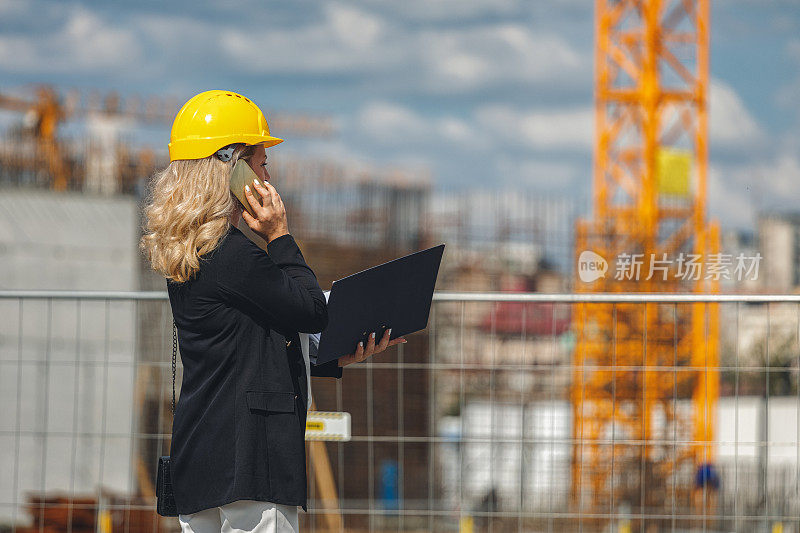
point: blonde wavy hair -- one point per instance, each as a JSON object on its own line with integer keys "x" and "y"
{"x": 187, "y": 212}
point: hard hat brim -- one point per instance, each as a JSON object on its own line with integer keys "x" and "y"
{"x": 199, "y": 148}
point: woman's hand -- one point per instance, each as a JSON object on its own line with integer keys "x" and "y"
{"x": 271, "y": 217}
{"x": 362, "y": 352}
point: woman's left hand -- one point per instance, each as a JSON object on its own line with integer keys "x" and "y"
{"x": 362, "y": 352}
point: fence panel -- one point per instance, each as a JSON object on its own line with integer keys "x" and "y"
{"x": 489, "y": 420}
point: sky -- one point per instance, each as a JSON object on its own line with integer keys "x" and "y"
{"x": 491, "y": 94}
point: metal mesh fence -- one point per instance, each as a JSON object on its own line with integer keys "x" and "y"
{"x": 467, "y": 427}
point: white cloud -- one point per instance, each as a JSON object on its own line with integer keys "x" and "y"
{"x": 84, "y": 42}
{"x": 333, "y": 150}
{"x": 338, "y": 39}
{"x": 735, "y": 192}
{"x": 175, "y": 36}
{"x": 428, "y": 10}
{"x": 459, "y": 131}
{"x": 545, "y": 129}
{"x": 729, "y": 200}
{"x": 346, "y": 40}
{"x": 354, "y": 27}
{"x": 12, "y": 7}
{"x": 387, "y": 122}
{"x": 472, "y": 58}
{"x": 545, "y": 175}
{"x": 793, "y": 50}
{"x": 782, "y": 175}
{"x": 787, "y": 95}
{"x": 730, "y": 123}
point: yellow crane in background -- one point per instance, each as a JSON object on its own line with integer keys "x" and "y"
{"x": 42, "y": 150}
{"x": 638, "y": 367}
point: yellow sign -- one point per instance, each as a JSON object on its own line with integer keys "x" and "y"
{"x": 673, "y": 168}
{"x": 314, "y": 425}
{"x": 327, "y": 425}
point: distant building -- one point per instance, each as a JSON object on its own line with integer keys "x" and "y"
{"x": 520, "y": 451}
{"x": 779, "y": 244}
{"x": 518, "y": 229}
{"x": 733, "y": 243}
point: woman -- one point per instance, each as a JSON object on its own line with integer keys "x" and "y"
{"x": 238, "y": 451}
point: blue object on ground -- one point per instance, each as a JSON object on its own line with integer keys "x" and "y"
{"x": 706, "y": 476}
{"x": 389, "y": 484}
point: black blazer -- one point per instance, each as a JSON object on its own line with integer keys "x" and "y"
{"x": 239, "y": 426}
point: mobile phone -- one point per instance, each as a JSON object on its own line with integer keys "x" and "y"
{"x": 243, "y": 175}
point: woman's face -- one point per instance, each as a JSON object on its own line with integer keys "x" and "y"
{"x": 258, "y": 162}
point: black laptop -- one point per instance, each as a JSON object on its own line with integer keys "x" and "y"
{"x": 395, "y": 295}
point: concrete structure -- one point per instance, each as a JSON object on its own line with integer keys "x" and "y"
{"x": 66, "y": 368}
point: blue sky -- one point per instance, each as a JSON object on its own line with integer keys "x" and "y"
{"x": 482, "y": 93}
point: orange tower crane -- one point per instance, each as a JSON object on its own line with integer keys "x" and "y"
{"x": 638, "y": 367}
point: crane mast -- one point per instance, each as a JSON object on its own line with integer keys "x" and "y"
{"x": 645, "y": 379}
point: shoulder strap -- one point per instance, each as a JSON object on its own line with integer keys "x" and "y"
{"x": 174, "y": 352}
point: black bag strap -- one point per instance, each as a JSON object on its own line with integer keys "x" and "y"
{"x": 174, "y": 352}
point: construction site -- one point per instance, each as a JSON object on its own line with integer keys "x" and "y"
{"x": 607, "y": 362}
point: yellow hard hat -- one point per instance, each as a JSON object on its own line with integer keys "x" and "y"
{"x": 214, "y": 119}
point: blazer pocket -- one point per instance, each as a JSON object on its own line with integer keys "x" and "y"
{"x": 275, "y": 401}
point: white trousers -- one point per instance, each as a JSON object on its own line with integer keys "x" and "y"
{"x": 242, "y": 515}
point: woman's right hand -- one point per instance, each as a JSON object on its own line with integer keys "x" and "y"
{"x": 363, "y": 352}
{"x": 271, "y": 216}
